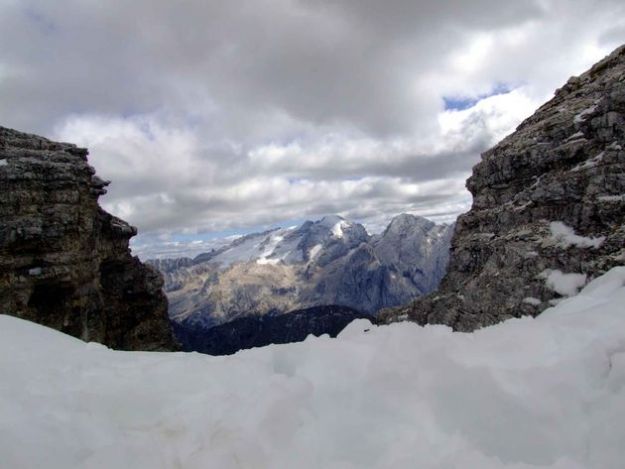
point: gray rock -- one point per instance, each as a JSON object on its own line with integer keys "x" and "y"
{"x": 65, "y": 262}
{"x": 565, "y": 164}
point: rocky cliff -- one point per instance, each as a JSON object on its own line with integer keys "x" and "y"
{"x": 65, "y": 262}
{"x": 548, "y": 209}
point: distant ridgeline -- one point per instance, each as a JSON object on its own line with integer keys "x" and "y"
{"x": 548, "y": 209}
{"x": 65, "y": 262}
{"x": 257, "y": 331}
{"x": 328, "y": 262}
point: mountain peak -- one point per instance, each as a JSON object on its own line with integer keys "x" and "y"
{"x": 407, "y": 222}
{"x": 334, "y": 225}
{"x": 331, "y": 220}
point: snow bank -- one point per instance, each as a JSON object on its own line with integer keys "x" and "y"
{"x": 546, "y": 392}
{"x": 582, "y": 116}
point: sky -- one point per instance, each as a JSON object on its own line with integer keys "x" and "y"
{"x": 216, "y": 117}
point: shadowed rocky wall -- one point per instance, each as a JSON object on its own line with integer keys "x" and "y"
{"x": 65, "y": 262}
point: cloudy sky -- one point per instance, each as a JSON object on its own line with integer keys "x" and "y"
{"x": 212, "y": 117}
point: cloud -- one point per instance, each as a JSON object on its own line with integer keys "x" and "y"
{"x": 212, "y": 116}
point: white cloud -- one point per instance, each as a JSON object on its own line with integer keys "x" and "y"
{"x": 221, "y": 115}
{"x": 493, "y": 118}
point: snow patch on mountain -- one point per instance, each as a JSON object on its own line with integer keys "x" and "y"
{"x": 269, "y": 249}
{"x": 565, "y": 236}
{"x": 565, "y": 284}
{"x": 314, "y": 251}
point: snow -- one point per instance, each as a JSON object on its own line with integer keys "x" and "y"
{"x": 565, "y": 237}
{"x": 547, "y": 392}
{"x": 314, "y": 251}
{"x": 330, "y": 220}
{"x": 530, "y": 300}
{"x": 283, "y": 245}
{"x": 265, "y": 261}
{"x": 269, "y": 249}
{"x": 335, "y": 223}
{"x": 591, "y": 163}
{"x": 258, "y": 247}
{"x": 612, "y": 198}
{"x": 337, "y": 229}
{"x": 575, "y": 136}
{"x": 286, "y": 249}
{"x": 241, "y": 252}
{"x": 563, "y": 284}
{"x": 3, "y": 162}
{"x": 35, "y": 271}
{"x": 582, "y": 116}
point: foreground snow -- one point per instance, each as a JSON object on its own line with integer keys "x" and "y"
{"x": 546, "y": 392}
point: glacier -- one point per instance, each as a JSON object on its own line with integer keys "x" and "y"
{"x": 545, "y": 392}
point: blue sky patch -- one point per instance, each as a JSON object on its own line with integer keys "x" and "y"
{"x": 461, "y": 103}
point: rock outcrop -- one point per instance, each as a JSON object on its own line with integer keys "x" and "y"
{"x": 65, "y": 262}
{"x": 548, "y": 209}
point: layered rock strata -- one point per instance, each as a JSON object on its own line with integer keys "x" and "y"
{"x": 65, "y": 262}
{"x": 548, "y": 209}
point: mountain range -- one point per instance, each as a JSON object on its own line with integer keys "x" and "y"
{"x": 331, "y": 261}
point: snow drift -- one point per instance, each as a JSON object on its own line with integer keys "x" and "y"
{"x": 544, "y": 392}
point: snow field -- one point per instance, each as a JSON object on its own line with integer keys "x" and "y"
{"x": 547, "y": 392}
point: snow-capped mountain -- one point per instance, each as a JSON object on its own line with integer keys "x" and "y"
{"x": 417, "y": 247}
{"x": 331, "y": 261}
{"x": 332, "y": 234}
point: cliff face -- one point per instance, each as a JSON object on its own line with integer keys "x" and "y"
{"x": 65, "y": 262}
{"x": 548, "y": 209}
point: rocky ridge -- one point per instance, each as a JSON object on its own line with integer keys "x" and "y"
{"x": 257, "y": 331}
{"x": 548, "y": 209}
{"x": 65, "y": 262}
